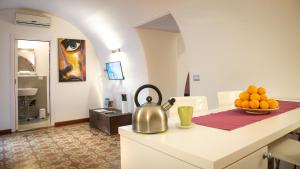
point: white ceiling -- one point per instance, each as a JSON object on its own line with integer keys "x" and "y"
{"x": 165, "y": 23}
{"x": 101, "y": 21}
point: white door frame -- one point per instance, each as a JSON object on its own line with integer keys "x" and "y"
{"x": 14, "y": 80}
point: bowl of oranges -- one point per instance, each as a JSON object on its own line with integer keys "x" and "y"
{"x": 255, "y": 101}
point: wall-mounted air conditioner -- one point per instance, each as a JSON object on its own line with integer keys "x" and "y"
{"x": 33, "y": 20}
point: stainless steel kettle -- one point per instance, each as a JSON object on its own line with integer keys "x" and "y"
{"x": 150, "y": 117}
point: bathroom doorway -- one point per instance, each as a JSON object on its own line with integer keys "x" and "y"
{"x": 32, "y": 67}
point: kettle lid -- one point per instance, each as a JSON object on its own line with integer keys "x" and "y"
{"x": 149, "y": 102}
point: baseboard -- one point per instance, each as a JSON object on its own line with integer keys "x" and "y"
{"x": 64, "y": 123}
{"x": 19, "y": 131}
{"x": 7, "y": 131}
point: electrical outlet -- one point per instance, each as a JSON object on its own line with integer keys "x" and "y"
{"x": 196, "y": 77}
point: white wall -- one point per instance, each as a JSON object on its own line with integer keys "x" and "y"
{"x": 42, "y": 59}
{"x": 165, "y": 55}
{"x": 182, "y": 65}
{"x": 232, "y": 44}
{"x": 68, "y": 100}
{"x": 224, "y": 40}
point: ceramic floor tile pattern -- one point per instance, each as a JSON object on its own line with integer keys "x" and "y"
{"x": 69, "y": 147}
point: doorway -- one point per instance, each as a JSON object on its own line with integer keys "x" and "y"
{"x": 166, "y": 56}
{"x": 32, "y": 67}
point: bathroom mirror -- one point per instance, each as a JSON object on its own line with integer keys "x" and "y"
{"x": 26, "y": 61}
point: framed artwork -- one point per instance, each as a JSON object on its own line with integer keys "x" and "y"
{"x": 71, "y": 60}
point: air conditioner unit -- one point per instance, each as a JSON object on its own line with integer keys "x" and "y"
{"x": 33, "y": 20}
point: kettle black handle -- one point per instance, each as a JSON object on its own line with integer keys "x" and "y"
{"x": 147, "y": 86}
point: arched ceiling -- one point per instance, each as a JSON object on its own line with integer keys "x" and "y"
{"x": 103, "y": 22}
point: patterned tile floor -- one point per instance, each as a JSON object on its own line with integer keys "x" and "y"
{"x": 69, "y": 147}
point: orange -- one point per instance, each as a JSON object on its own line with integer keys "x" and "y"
{"x": 254, "y": 104}
{"x": 238, "y": 103}
{"x": 255, "y": 96}
{"x": 252, "y": 89}
{"x": 261, "y": 90}
{"x": 273, "y": 103}
{"x": 244, "y": 96}
{"x": 264, "y": 105}
{"x": 263, "y": 97}
{"x": 245, "y": 104}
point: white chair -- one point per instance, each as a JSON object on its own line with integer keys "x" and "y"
{"x": 295, "y": 132}
{"x": 227, "y": 98}
{"x": 286, "y": 149}
{"x": 198, "y": 102}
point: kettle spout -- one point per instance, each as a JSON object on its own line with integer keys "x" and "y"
{"x": 166, "y": 106}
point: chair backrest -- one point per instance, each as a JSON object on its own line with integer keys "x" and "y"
{"x": 198, "y": 102}
{"x": 227, "y": 98}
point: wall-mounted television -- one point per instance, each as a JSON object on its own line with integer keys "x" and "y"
{"x": 114, "y": 70}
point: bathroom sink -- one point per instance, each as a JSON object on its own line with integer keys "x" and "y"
{"x": 27, "y": 91}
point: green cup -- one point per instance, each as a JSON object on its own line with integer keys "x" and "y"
{"x": 185, "y": 114}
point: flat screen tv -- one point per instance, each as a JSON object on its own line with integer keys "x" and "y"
{"x": 114, "y": 71}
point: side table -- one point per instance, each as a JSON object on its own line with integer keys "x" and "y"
{"x": 108, "y": 120}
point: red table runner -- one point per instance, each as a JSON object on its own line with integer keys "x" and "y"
{"x": 236, "y": 118}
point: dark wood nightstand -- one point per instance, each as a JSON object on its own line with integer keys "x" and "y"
{"x": 108, "y": 120}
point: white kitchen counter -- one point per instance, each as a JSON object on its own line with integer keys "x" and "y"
{"x": 211, "y": 148}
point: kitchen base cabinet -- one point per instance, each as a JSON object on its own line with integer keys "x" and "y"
{"x": 254, "y": 160}
{"x": 138, "y": 156}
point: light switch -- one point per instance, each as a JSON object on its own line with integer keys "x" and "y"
{"x": 196, "y": 77}
{"x": 41, "y": 77}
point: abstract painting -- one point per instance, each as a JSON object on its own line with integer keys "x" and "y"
{"x": 71, "y": 60}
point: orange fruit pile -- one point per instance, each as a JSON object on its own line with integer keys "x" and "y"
{"x": 255, "y": 98}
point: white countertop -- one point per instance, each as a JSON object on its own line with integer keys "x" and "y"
{"x": 206, "y": 147}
